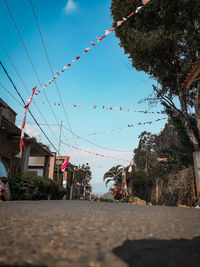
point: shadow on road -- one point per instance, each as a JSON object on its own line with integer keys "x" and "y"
{"x": 22, "y": 265}
{"x": 154, "y": 252}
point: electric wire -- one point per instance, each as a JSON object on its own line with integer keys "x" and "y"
{"x": 25, "y": 104}
{"x": 28, "y": 92}
{"x": 51, "y": 69}
{"x": 11, "y": 94}
{"x": 27, "y": 53}
{"x": 12, "y": 63}
{"x": 95, "y": 143}
{"x": 41, "y": 85}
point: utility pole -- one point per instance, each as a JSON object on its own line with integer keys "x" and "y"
{"x": 59, "y": 141}
{"x": 72, "y": 185}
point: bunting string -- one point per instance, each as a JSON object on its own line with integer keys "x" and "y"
{"x": 121, "y": 128}
{"x": 113, "y": 108}
{"x": 92, "y": 44}
{"x": 107, "y": 131}
{"x": 94, "y": 153}
{"x": 29, "y": 100}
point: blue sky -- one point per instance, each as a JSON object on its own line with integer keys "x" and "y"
{"x": 104, "y": 76}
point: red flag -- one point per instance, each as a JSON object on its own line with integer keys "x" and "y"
{"x": 64, "y": 166}
{"x": 101, "y": 38}
{"x": 108, "y": 31}
{"x": 21, "y": 143}
{"x": 77, "y": 58}
{"x": 130, "y": 167}
{"x": 86, "y": 50}
{"x": 119, "y": 23}
{"x": 92, "y": 43}
{"x": 131, "y": 15}
{"x": 69, "y": 65}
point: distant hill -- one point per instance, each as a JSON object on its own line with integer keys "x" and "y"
{"x": 107, "y": 195}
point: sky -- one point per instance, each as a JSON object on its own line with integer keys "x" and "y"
{"x": 103, "y": 76}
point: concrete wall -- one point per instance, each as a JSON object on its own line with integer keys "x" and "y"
{"x": 37, "y": 171}
{"x": 36, "y": 161}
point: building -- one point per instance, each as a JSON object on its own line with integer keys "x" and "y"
{"x": 66, "y": 178}
{"x": 10, "y": 158}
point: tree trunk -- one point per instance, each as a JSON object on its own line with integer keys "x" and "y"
{"x": 186, "y": 118}
{"x": 196, "y": 156}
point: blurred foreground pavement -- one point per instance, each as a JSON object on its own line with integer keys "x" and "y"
{"x": 75, "y": 233}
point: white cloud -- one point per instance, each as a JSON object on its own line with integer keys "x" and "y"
{"x": 32, "y": 130}
{"x": 70, "y": 7}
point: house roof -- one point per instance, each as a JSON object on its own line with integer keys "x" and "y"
{"x": 13, "y": 134}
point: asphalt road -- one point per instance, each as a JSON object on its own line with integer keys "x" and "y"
{"x": 75, "y": 233}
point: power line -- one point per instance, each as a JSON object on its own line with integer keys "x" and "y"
{"x": 50, "y": 66}
{"x": 22, "y": 40}
{"x": 41, "y": 84}
{"x": 12, "y": 63}
{"x": 26, "y": 50}
{"x": 95, "y": 143}
{"x": 28, "y": 109}
{"x": 44, "y": 124}
{"x": 11, "y": 95}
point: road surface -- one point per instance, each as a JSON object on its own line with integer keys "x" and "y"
{"x": 75, "y": 233}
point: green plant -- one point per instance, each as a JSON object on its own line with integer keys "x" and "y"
{"x": 32, "y": 187}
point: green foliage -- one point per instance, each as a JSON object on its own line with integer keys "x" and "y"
{"x": 114, "y": 175}
{"x": 162, "y": 39}
{"x": 32, "y": 187}
{"x": 145, "y": 157}
{"x": 83, "y": 176}
{"x": 174, "y": 144}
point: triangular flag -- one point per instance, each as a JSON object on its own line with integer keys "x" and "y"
{"x": 138, "y": 9}
{"x": 64, "y": 166}
{"x": 130, "y": 167}
{"x": 86, "y": 50}
{"x": 131, "y": 15}
{"x": 101, "y": 38}
{"x": 119, "y": 23}
{"x": 108, "y": 31}
{"x": 92, "y": 43}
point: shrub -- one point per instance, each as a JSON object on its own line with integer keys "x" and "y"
{"x": 32, "y": 187}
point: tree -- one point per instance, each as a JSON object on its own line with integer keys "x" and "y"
{"x": 145, "y": 156}
{"x": 114, "y": 175}
{"x": 163, "y": 40}
{"x": 173, "y": 143}
{"x": 82, "y": 178}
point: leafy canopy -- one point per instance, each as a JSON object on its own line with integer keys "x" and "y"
{"x": 162, "y": 40}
